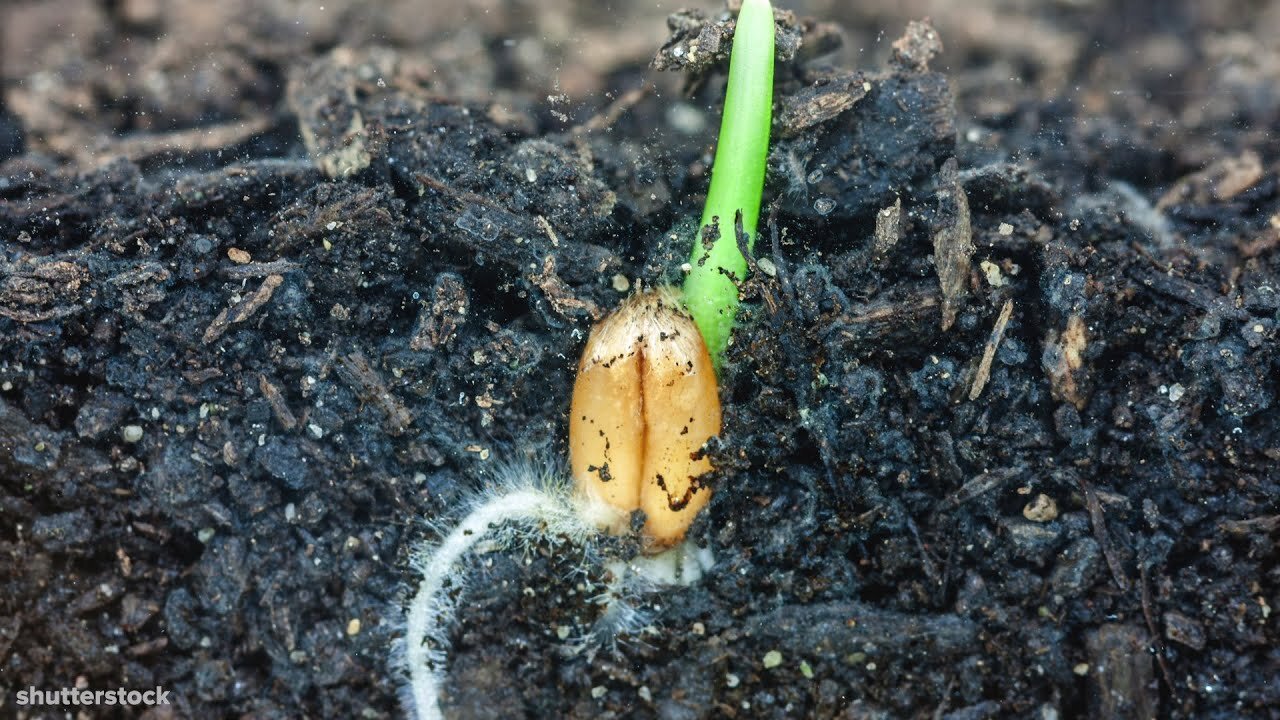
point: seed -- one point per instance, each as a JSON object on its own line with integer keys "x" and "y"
{"x": 644, "y": 402}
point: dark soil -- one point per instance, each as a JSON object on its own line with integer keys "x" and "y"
{"x": 280, "y": 285}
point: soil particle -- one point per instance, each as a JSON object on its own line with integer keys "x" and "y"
{"x": 417, "y": 286}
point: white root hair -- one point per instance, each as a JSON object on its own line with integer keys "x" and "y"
{"x": 527, "y": 505}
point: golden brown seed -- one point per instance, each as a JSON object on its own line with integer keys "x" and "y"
{"x": 644, "y": 402}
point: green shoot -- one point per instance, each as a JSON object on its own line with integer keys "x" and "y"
{"x": 737, "y": 179}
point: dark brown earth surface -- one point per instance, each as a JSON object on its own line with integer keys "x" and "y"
{"x": 283, "y": 284}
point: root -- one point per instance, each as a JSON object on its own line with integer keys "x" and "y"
{"x": 527, "y": 506}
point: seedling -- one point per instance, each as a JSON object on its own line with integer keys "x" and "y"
{"x": 737, "y": 179}
{"x": 645, "y": 402}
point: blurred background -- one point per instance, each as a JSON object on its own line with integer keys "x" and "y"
{"x": 78, "y": 71}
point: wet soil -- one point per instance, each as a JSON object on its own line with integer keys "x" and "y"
{"x": 282, "y": 285}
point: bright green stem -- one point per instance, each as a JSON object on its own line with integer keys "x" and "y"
{"x": 737, "y": 178}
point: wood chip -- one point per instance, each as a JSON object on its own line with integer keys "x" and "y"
{"x": 1064, "y": 362}
{"x": 559, "y": 294}
{"x": 38, "y": 289}
{"x": 1123, "y": 676}
{"x": 438, "y": 322}
{"x": 888, "y": 230}
{"x": 827, "y": 98}
{"x": 952, "y": 242}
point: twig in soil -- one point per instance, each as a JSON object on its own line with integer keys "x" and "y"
{"x": 1261, "y": 525}
{"x": 279, "y": 407}
{"x": 143, "y": 147}
{"x": 605, "y": 119}
{"x": 989, "y": 354}
{"x": 242, "y": 310}
{"x": 1099, "y": 522}
{"x": 977, "y": 487}
{"x": 1155, "y": 636}
{"x": 259, "y": 269}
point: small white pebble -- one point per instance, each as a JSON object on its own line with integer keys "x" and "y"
{"x": 562, "y": 631}
{"x": 772, "y": 659}
{"x": 531, "y": 175}
{"x": 205, "y": 535}
{"x": 644, "y": 693}
{"x": 621, "y": 283}
{"x": 1005, "y": 229}
{"x": 1176, "y": 391}
{"x": 731, "y": 680}
{"x": 1081, "y": 669}
{"x": 290, "y": 512}
{"x": 599, "y": 691}
{"x": 353, "y": 627}
{"x": 995, "y": 277}
{"x": 316, "y": 431}
{"x": 767, "y": 267}
{"x": 1041, "y": 509}
{"x": 131, "y": 433}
